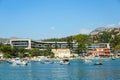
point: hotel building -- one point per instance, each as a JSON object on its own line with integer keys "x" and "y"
{"x": 29, "y": 44}
{"x": 98, "y": 45}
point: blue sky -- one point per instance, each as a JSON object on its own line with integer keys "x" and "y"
{"x": 39, "y": 19}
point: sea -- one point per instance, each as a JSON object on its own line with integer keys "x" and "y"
{"x": 76, "y": 70}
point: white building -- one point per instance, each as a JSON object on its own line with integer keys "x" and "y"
{"x": 29, "y": 44}
{"x": 61, "y": 53}
{"x": 1, "y": 55}
{"x": 24, "y": 43}
{"x": 98, "y": 45}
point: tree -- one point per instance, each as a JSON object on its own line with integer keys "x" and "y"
{"x": 116, "y": 48}
{"x": 56, "y": 46}
{"x": 7, "y": 50}
{"x": 69, "y": 42}
{"x": 81, "y": 41}
{"x": 104, "y": 37}
{"x": 21, "y": 53}
{"x": 48, "y": 52}
{"x": 15, "y": 51}
{"x": 35, "y": 52}
{"x": 115, "y": 41}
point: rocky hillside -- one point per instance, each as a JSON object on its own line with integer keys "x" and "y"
{"x": 100, "y": 30}
{"x": 111, "y": 35}
{"x": 6, "y": 40}
{"x": 97, "y": 30}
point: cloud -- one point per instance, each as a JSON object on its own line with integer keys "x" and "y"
{"x": 85, "y": 31}
{"x": 111, "y": 25}
{"x": 119, "y": 23}
{"x": 52, "y": 28}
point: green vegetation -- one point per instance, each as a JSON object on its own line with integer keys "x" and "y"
{"x": 81, "y": 40}
{"x": 104, "y": 37}
{"x": 10, "y": 52}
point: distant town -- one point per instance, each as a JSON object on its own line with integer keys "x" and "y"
{"x": 100, "y": 43}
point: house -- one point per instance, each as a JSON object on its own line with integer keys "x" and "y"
{"x": 1, "y": 55}
{"x": 61, "y": 53}
{"x": 117, "y": 52}
{"x": 100, "y": 52}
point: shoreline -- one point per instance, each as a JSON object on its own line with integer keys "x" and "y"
{"x": 76, "y": 58}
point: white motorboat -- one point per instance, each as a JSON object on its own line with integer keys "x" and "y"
{"x": 18, "y": 61}
{"x": 87, "y": 61}
{"x": 64, "y": 61}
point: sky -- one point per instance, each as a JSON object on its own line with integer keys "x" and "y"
{"x": 41, "y": 19}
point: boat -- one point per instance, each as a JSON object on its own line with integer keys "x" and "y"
{"x": 64, "y": 61}
{"x": 47, "y": 62}
{"x": 98, "y": 63}
{"x": 87, "y": 61}
{"x": 113, "y": 58}
{"x": 18, "y": 61}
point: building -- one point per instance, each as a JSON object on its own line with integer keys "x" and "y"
{"x": 98, "y": 45}
{"x": 100, "y": 52}
{"x": 61, "y": 53}
{"x": 22, "y": 43}
{"x": 29, "y": 44}
{"x": 1, "y": 55}
{"x": 99, "y": 49}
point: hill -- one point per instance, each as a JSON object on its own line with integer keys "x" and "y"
{"x": 97, "y": 30}
{"x": 106, "y": 36}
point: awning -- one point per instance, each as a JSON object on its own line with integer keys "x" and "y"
{"x": 103, "y": 54}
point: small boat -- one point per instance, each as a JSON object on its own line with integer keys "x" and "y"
{"x": 98, "y": 63}
{"x": 113, "y": 58}
{"x": 87, "y": 61}
{"x": 18, "y": 61}
{"x": 47, "y": 62}
{"x": 64, "y": 61}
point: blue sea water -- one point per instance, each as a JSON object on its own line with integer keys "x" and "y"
{"x": 77, "y": 70}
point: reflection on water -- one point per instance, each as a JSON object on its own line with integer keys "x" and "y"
{"x": 77, "y": 70}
